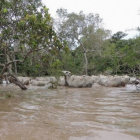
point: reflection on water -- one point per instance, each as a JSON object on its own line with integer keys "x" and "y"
{"x": 71, "y": 114}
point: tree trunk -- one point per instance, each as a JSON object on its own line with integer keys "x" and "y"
{"x": 66, "y": 80}
{"x": 10, "y": 66}
{"x": 15, "y": 66}
{"x": 86, "y": 63}
{"x": 12, "y": 79}
{"x": 85, "y": 56}
{"x": 15, "y": 80}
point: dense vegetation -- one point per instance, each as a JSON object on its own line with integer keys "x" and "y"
{"x": 34, "y": 44}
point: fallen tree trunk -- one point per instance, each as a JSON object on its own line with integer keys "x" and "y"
{"x": 13, "y": 79}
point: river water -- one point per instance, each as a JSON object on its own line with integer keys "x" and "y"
{"x": 70, "y": 114}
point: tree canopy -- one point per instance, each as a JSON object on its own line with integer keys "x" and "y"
{"x": 26, "y": 32}
{"x": 34, "y": 44}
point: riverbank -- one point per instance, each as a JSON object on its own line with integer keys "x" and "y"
{"x": 77, "y": 81}
{"x": 82, "y": 81}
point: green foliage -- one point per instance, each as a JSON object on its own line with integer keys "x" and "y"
{"x": 119, "y": 57}
{"x": 56, "y": 68}
{"x": 123, "y": 56}
{"x": 5, "y": 11}
{"x": 82, "y": 32}
{"x": 27, "y": 34}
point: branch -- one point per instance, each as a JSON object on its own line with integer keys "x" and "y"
{"x": 21, "y": 61}
{"x": 1, "y": 54}
{"x": 2, "y": 65}
{"x": 90, "y": 51}
{"x": 12, "y": 62}
{"x": 6, "y": 65}
{"x": 28, "y": 53}
{"x": 84, "y": 49}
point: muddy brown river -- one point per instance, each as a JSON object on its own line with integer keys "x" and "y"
{"x": 70, "y": 114}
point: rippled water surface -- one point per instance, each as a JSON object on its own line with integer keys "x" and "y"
{"x": 71, "y": 114}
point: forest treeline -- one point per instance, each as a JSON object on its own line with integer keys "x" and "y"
{"x": 32, "y": 43}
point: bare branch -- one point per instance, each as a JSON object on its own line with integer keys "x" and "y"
{"x": 28, "y": 53}
{"x": 2, "y": 65}
{"x": 6, "y": 66}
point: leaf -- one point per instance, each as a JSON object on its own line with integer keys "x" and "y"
{"x": 5, "y": 10}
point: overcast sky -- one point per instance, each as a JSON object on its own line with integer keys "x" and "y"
{"x": 117, "y": 14}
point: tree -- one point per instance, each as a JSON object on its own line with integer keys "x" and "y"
{"x": 118, "y": 36}
{"x": 123, "y": 55}
{"x": 79, "y": 30}
{"x": 25, "y": 28}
